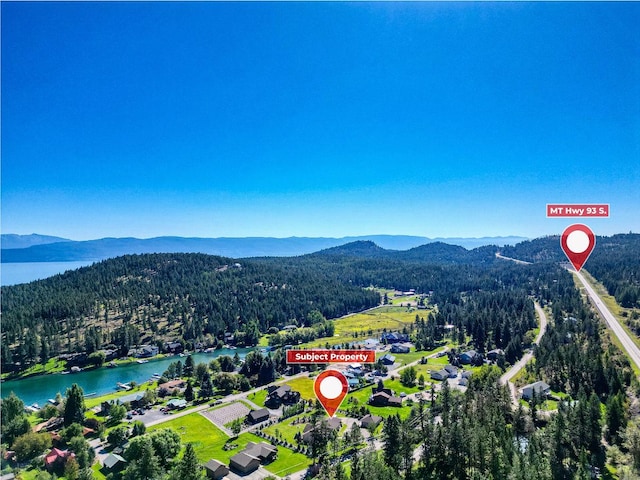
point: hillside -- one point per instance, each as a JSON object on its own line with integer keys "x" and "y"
{"x": 158, "y": 297}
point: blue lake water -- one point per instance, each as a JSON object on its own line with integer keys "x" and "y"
{"x": 15, "y": 273}
{"x": 102, "y": 380}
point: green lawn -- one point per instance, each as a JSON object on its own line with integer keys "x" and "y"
{"x": 258, "y": 397}
{"x": 96, "y": 468}
{"x": 304, "y": 385}
{"x": 208, "y": 442}
{"x": 95, "y": 401}
{"x": 362, "y": 396}
{"x": 286, "y": 430}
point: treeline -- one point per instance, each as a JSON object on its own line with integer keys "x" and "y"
{"x": 147, "y": 298}
{"x": 492, "y": 320}
{"x": 615, "y": 262}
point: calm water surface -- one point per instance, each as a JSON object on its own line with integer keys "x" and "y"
{"x": 103, "y": 380}
{"x": 15, "y": 273}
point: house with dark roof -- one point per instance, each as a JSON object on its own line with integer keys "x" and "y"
{"x": 244, "y": 463}
{"x": 173, "y": 347}
{"x": 370, "y": 421}
{"x": 470, "y": 356}
{"x": 394, "y": 337}
{"x": 439, "y": 374}
{"x": 494, "y": 354}
{"x": 257, "y": 416}
{"x": 279, "y": 395}
{"x": 451, "y": 370}
{"x": 400, "y": 348}
{"x": 215, "y": 469}
{"x": 384, "y": 399}
{"x": 388, "y": 359}
{"x": 333, "y": 423}
{"x": 265, "y": 452}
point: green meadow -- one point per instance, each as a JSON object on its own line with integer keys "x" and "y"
{"x": 209, "y": 441}
{"x": 360, "y": 326}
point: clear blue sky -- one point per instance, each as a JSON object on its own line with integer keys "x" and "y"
{"x": 317, "y": 119}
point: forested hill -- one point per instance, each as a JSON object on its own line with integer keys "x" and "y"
{"x": 615, "y": 262}
{"x": 156, "y": 297}
{"x": 434, "y": 253}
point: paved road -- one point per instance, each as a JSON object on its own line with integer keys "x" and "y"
{"x": 630, "y": 347}
{"x": 513, "y": 371}
{"x": 521, "y": 262}
{"x": 228, "y": 399}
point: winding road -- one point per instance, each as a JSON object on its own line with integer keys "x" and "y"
{"x": 513, "y": 371}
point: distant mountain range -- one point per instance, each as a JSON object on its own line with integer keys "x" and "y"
{"x": 42, "y": 248}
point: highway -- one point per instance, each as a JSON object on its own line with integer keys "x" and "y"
{"x": 629, "y": 346}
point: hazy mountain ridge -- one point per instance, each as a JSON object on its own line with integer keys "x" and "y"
{"x": 12, "y": 240}
{"x": 67, "y": 250}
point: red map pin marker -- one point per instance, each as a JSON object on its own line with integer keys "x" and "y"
{"x": 331, "y": 387}
{"x": 577, "y": 242}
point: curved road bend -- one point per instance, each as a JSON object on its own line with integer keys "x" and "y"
{"x": 633, "y": 352}
{"x": 513, "y": 371}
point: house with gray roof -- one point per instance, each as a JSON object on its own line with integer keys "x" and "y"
{"x": 215, "y": 469}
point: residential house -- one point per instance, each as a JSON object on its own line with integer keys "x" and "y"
{"x": 333, "y": 423}
{"x": 173, "y": 386}
{"x": 215, "y": 469}
{"x": 114, "y": 462}
{"x": 257, "y": 416}
{"x": 371, "y": 344}
{"x": 353, "y": 382}
{"x": 56, "y": 458}
{"x": 244, "y": 463}
{"x": 133, "y": 399}
{"x": 265, "y": 452}
{"x": 173, "y": 347}
{"x": 541, "y": 389}
{"x": 144, "y": 351}
{"x": 453, "y": 371}
{"x": 400, "y": 348}
{"x": 394, "y": 337}
{"x": 470, "y": 356}
{"x": 388, "y": 359}
{"x": 370, "y": 421}
{"x": 439, "y": 374}
{"x": 279, "y": 395}
{"x": 494, "y": 354}
{"x": 384, "y": 399}
{"x": 176, "y": 403}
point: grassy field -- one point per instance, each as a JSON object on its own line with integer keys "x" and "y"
{"x": 95, "y": 401}
{"x": 362, "y": 397}
{"x": 369, "y": 324}
{"x": 208, "y": 442}
{"x": 258, "y": 397}
{"x": 304, "y": 385}
{"x": 286, "y": 430}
